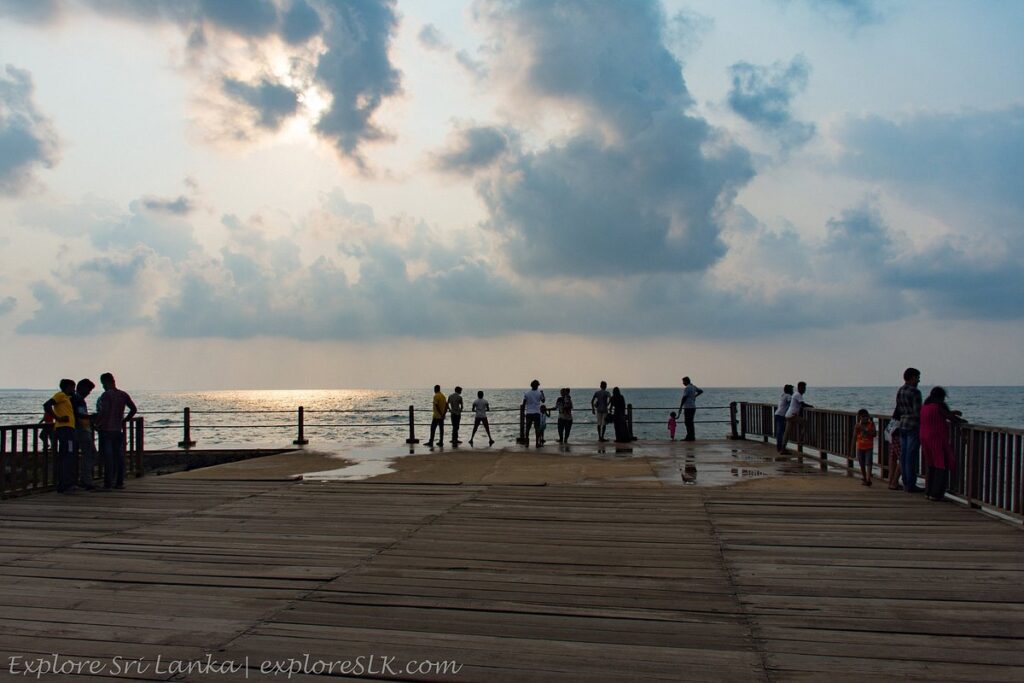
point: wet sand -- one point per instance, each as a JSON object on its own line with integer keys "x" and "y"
{"x": 280, "y": 467}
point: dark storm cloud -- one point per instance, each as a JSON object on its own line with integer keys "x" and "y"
{"x": 300, "y": 23}
{"x": 27, "y": 140}
{"x": 763, "y": 96}
{"x": 356, "y": 70}
{"x": 31, "y": 11}
{"x": 270, "y": 102}
{"x": 640, "y": 186}
{"x": 472, "y": 149}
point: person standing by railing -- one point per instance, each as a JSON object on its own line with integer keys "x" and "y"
{"x": 908, "y": 404}
{"x": 85, "y": 442}
{"x": 63, "y": 413}
{"x": 532, "y": 402}
{"x": 688, "y": 406}
{"x": 455, "y": 408}
{"x": 795, "y": 415}
{"x": 110, "y": 421}
{"x": 563, "y": 406}
{"x": 480, "y": 408}
{"x": 599, "y": 407}
{"x": 440, "y": 405}
{"x": 780, "y": 418}
{"x": 936, "y": 449}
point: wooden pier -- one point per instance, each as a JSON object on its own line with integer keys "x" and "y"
{"x": 514, "y": 583}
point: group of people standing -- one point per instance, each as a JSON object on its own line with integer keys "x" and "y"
{"x": 72, "y": 432}
{"x": 919, "y": 431}
{"x": 606, "y": 406}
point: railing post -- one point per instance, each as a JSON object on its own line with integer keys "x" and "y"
{"x": 629, "y": 421}
{"x": 140, "y": 446}
{"x": 412, "y": 426}
{"x": 301, "y": 440}
{"x": 733, "y": 422}
{"x": 522, "y": 425}
{"x": 187, "y": 441}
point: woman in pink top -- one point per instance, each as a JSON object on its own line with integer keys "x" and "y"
{"x": 936, "y": 449}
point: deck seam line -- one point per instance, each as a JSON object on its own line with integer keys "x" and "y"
{"x": 748, "y": 618}
{"x": 428, "y": 520}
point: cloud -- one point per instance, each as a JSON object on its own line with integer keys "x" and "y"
{"x": 432, "y": 38}
{"x": 472, "y": 149}
{"x": 31, "y": 11}
{"x": 763, "y": 95}
{"x": 7, "y": 304}
{"x": 935, "y": 157}
{"x": 854, "y": 14}
{"x": 27, "y": 139}
{"x": 638, "y": 185}
{"x": 350, "y": 65}
{"x": 357, "y": 71}
{"x": 179, "y": 206}
{"x": 97, "y": 296}
{"x": 270, "y": 102}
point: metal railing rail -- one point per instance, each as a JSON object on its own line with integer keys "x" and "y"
{"x": 27, "y": 461}
{"x": 989, "y": 469}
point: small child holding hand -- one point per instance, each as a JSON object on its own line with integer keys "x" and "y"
{"x": 672, "y": 426}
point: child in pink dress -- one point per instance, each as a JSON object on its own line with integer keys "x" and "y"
{"x": 672, "y": 425}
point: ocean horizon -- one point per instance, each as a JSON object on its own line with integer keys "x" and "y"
{"x": 337, "y": 418}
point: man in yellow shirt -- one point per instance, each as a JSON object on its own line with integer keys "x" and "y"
{"x": 440, "y": 408}
{"x": 60, "y": 408}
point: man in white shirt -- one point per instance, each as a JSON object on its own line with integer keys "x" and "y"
{"x": 688, "y": 406}
{"x": 532, "y": 401}
{"x": 794, "y": 415}
{"x": 480, "y": 408}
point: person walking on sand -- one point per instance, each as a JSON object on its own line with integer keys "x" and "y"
{"x": 795, "y": 415}
{"x": 532, "y": 402}
{"x": 440, "y": 405}
{"x": 480, "y": 408}
{"x": 936, "y": 449}
{"x": 780, "y": 417}
{"x": 455, "y": 408}
{"x": 688, "y": 406}
{"x": 599, "y": 407}
{"x": 908, "y": 405}
{"x": 109, "y": 421}
{"x": 59, "y": 407}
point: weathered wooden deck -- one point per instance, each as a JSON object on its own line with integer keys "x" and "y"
{"x": 585, "y": 583}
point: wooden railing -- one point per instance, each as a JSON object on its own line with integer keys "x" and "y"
{"x": 989, "y": 468}
{"x": 27, "y": 464}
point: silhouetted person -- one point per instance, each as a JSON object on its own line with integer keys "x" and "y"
{"x": 532, "y": 402}
{"x": 908, "y": 404}
{"x": 780, "y": 417}
{"x": 618, "y": 406}
{"x": 440, "y": 405}
{"x": 480, "y": 408}
{"x": 599, "y": 407}
{"x": 563, "y": 406}
{"x": 455, "y": 408}
{"x": 109, "y": 422}
{"x": 59, "y": 407}
{"x": 688, "y": 406}
{"x": 85, "y": 441}
{"x": 795, "y": 415}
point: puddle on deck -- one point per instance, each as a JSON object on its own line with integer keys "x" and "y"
{"x": 710, "y": 463}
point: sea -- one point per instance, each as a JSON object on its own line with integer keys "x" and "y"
{"x": 337, "y": 418}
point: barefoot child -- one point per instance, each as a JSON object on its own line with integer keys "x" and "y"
{"x": 672, "y": 426}
{"x": 864, "y": 443}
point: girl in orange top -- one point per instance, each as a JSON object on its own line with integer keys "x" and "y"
{"x": 864, "y": 444}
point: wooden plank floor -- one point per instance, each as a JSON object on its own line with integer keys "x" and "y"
{"x": 585, "y": 583}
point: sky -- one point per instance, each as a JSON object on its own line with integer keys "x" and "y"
{"x": 207, "y": 194}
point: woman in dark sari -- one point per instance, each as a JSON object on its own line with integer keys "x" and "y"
{"x": 619, "y": 416}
